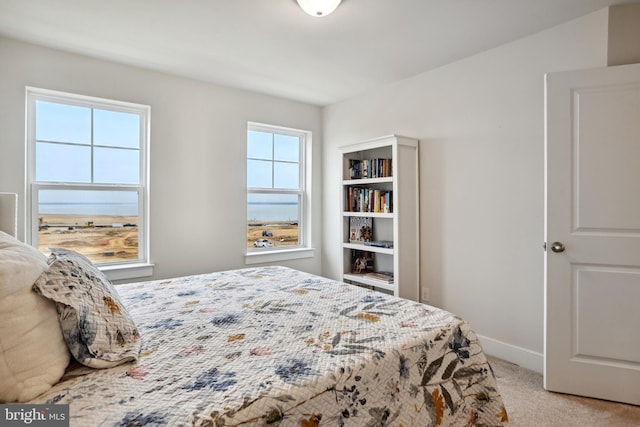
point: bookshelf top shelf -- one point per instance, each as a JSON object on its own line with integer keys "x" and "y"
{"x": 383, "y": 142}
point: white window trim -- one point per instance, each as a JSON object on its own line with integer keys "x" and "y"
{"x": 118, "y": 270}
{"x": 304, "y": 248}
{"x": 277, "y": 255}
{"x": 127, "y": 271}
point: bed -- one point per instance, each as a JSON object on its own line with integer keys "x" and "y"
{"x": 276, "y": 346}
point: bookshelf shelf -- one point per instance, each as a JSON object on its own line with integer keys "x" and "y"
{"x": 362, "y": 247}
{"x": 362, "y": 279}
{"x": 380, "y": 193}
{"x": 371, "y": 214}
{"x": 367, "y": 181}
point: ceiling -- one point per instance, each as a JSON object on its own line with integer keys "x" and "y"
{"x": 273, "y": 47}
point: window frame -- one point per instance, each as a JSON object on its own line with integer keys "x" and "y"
{"x": 303, "y": 249}
{"x": 115, "y": 270}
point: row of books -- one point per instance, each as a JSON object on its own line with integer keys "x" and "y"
{"x": 362, "y": 263}
{"x": 368, "y": 200}
{"x": 371, "y": 168}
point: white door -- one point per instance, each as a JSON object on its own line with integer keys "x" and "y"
{"x": 592, "y": 233}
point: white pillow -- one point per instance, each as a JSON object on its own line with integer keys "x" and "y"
{"x": 33, "y": 353}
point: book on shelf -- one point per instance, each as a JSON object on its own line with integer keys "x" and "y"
{"x": 380, "y": 243}
{"x": 361, "y": 261}
{"x": 370, "y": 168}
{"x": 360, "y": 229}
{"x": 383, "y": 276}
{"x": 354, "y": 169}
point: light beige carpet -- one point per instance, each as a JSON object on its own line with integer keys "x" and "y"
{"x": 529, "y": 404}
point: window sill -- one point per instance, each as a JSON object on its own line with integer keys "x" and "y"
{"x": 278, "y": 255}
{"x": 127, "y": 271}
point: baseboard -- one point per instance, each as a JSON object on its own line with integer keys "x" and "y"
{"x": 514, "y": 354}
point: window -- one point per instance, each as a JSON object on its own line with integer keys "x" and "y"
{"x": 276, "y": 182}
{"x": 87, "y": 176}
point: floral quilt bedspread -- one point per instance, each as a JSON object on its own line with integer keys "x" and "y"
{"x": 274, "y": 346}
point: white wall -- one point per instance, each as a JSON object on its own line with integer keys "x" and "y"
{"x": 198, "y": 149}
{"x": 481, "y": 126}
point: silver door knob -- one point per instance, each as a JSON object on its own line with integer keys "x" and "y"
{"x": 557, "y": 247}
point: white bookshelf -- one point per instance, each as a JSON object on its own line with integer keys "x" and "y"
{"x": 399, "y": 226}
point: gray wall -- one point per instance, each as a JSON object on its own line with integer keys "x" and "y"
{"x": 198, "y": 149}
{"x": 624, "y": 34}
{"x": 481, "y": 126}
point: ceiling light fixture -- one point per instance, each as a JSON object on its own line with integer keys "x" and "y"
{"x": 318, "y": 8}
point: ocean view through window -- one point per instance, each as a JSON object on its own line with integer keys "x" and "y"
{"x": 87, "y": 176}
{"x": 275, "y": 188}
{"x": 102, "y": 225}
